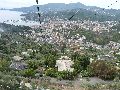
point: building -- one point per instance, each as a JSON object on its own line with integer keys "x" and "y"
{"x": 17, "y": 58}
{"x": 64, "y": 64}
{"x": 25, "y": 54}
{"x": 18, "y": 64}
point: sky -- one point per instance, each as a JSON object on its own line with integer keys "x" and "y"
{"x": 25, "y": 3}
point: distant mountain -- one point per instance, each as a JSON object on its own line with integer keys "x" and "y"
{"x": 3, "y": 9}
{"x": 55, "y": 7}
{"x": 66, "y": 10}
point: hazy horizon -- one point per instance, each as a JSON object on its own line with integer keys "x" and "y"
{"x": 108, "y": 4}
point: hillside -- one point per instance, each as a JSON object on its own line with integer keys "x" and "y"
{"x": 82, "y": 14}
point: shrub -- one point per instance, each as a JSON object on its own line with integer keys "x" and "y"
{"x": 28, "y": 73}
{"x": 103, "y": 70}
{"x": 87, "y": 73}
{"x": 65, "y": 75}
{"x": 50, "y": 72}
{"x": 34, "y": 64}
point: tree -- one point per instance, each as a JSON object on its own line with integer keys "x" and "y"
{"x": 4, "y": 65}
{"x": 80, "y": 62}
{"x": 50, "y": 60}
{"x": 75, "y": 56}
{"x": 63, "y": 46}
{"x": 84, "y": 61}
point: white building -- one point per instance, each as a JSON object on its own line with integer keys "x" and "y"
{"x": 17, "y": 58}
{"x": 64, "y": 64}
{"x": 25, "y": 54}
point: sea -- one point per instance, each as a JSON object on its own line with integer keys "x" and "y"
{"x": 15, "y": 18}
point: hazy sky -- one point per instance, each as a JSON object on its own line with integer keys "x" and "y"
{"x": 25, "y": 3}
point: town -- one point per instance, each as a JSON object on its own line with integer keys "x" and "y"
{"x": 61, "y": 54}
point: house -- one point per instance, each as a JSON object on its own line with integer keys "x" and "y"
{"x": 91, "y": 60}
{"x": 17, "y": 58}
{"x": 30, "y": 50}
{"x": 26, "y": 84}
{"x": 118, "y": 53}
{"x": 64, "y": 64}
{"x": 106, "y": 57}
{"x": 17, "y": 63}
{"x": 25, "y": 54}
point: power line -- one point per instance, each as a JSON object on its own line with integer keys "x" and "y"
{"x": 38, "y": 9}
{"x": 95, "y": 13}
